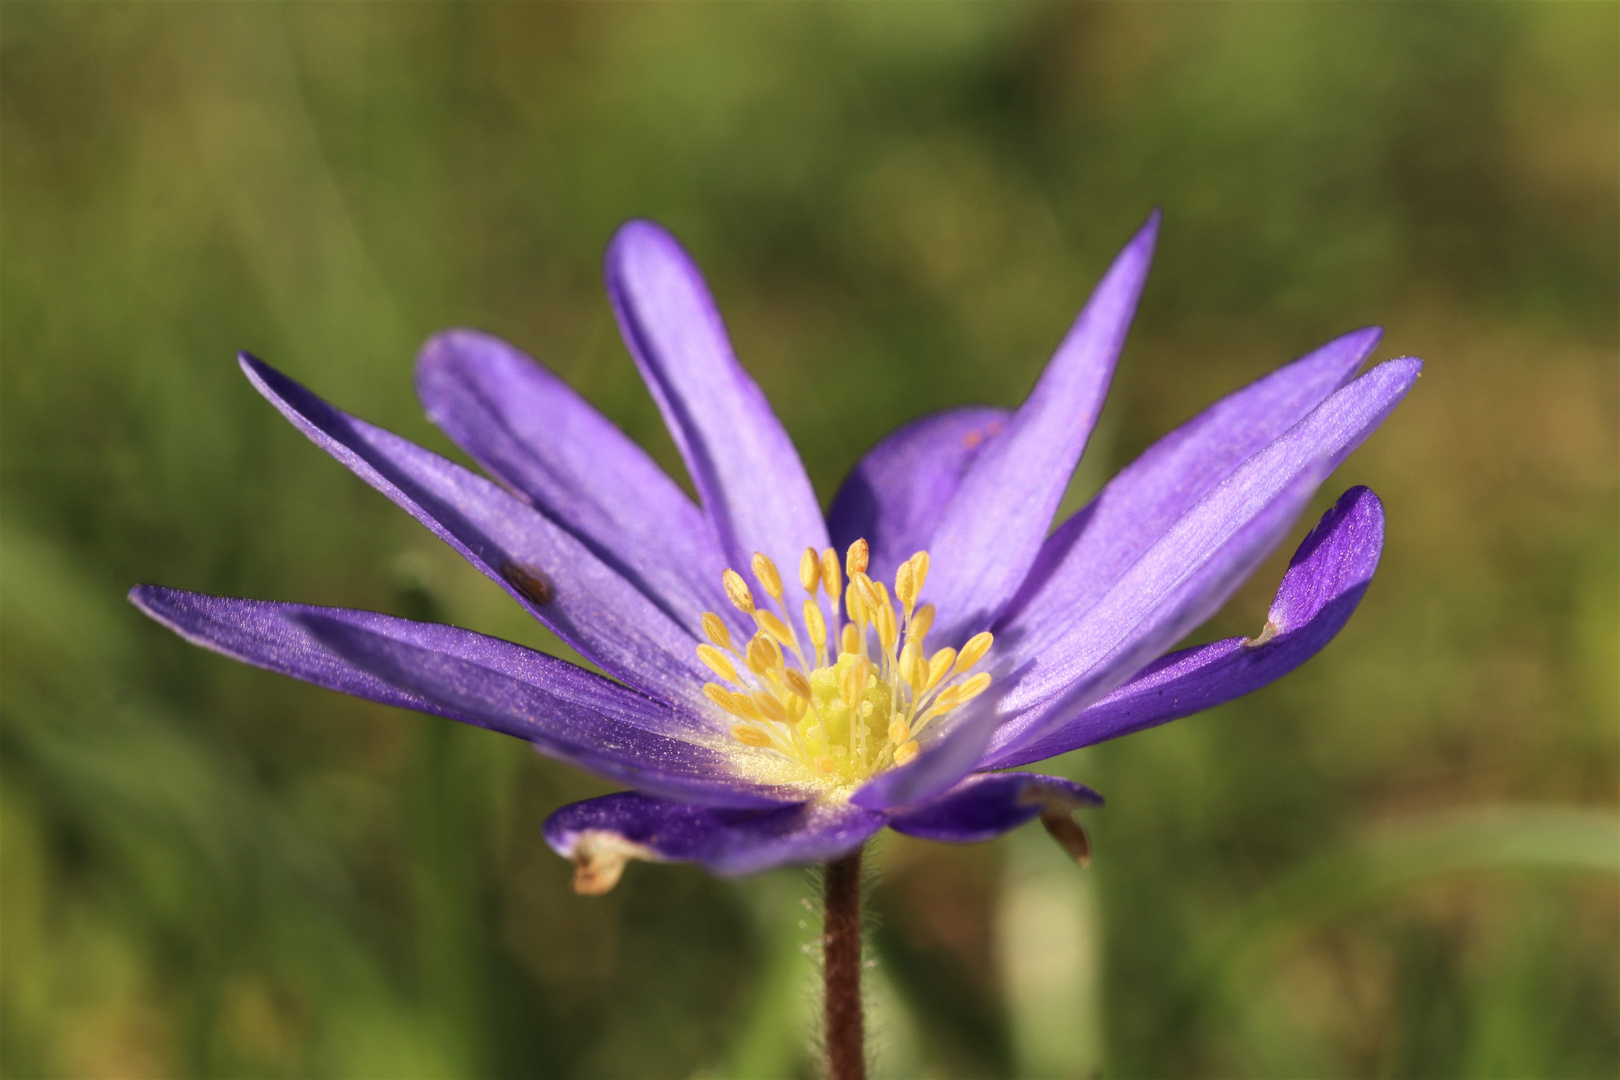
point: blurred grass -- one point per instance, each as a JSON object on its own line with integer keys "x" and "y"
{"x": 211, "y": 871}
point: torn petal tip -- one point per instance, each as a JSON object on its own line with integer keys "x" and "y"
{"x": 599, "y": 861}
{"x": 1069, "y": 833}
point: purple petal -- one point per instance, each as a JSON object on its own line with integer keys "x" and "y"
{"x": 983, "y": 807}
{"x": 753, "y": 486}
{"x": 559, "y": 726}
{"x": 531, "y": 431}
{"x": 1174, "y": 588}
{"x": 600, "y": 834}
{"x": 1325, "y": 581}
{"x": 566, "y": 711}
{"x": 583, "y": 600}
{"x": 1094, "y": 548}
{"x": 896, "y": 493}
{"x": 1315, "y": 445}
{"x": 275, "y": 636}
{"x": 992, "y": 530}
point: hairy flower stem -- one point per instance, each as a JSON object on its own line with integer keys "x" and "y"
{"x": 841, "y": 964}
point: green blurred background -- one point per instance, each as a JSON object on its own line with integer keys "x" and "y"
{"x": 1400, "y": 861}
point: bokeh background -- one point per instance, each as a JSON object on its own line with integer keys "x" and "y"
{"x": 1400, "y": 861}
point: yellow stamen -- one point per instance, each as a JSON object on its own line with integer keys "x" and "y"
{"x": 717, "y": 662}
{"x": 766, "y": 574}
{"x": 715, "y": 631}
{"x": 921, "y": 621}
{"x": 831, "y": 583}
{"x": 887, "y": 631}
{"x": 750, "y": 736}
{"x": 905, "y": 587}
{"x": 770, "y": 706}
{"x": 737, "y": 592}
{"x": 973, "y": 651}
{"x": 853, "y": 606}
{"x": 817, "y": 626}
{"x": 810, "y": 570}
{"x": 772, "y": 624}
{"x": 974, "y": 687}
{"x": 796, "y": 682}
{"x": 763, "y": 654}
{"x": 919, "y": 571}
{"x": 855, "y": 561}
{"x": 857, "y": 703}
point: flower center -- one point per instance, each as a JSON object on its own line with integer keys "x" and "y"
{"x": 850, "y": 697}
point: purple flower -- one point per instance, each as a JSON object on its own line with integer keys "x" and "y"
{"x": 762, "y": 719}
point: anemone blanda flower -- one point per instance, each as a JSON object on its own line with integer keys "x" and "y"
{"x": 777, "y": 701}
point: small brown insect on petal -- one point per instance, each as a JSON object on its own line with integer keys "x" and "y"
{"x": 529, "y": 581}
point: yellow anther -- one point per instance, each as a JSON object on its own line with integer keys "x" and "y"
{"x": 766, "y": 574}
{"x": 815, "y": 624}
{"x": 737, "y": 704}
{"x": 796, "y": 708}
{"x": 810, "y": 570}
{"x": 948, "y": 699}
{"x": 905, "y": 755}
{"x": 938, "y": 665}
{"x": 913, "y": 668}
{"x": 850, "y": 640}
{"x": 922, "y": 621}
{"x": 831, "y": 583}
{"x": 919, "y": 571}
{"x": 773, "y": 625}
{"x": 852, "y": 684}
{"x": 905, "y": 586}
{"x": 974, "y": 650}
{"x": 796, "y": 682}
{"x": 855, "y": 561}
{"x": 974, "y": 687}
{"x": 763, "y": 654}
{"x": 716, "y": 631}
{"x": 853, "y": 606}
{"x": 888, "y": 632}
{"x": 750, "y": 736}
{"x": 770, "y": 706}
{"x": 863, "y": 587}
{"x": 717, "y": 662}
{"x": 826, "y": 763}
{"x": 899, "y": 731}
{"x": 737, "y": 592}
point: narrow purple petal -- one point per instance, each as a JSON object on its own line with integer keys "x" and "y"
{"x": 583, "y": 600}
{"x": 1315, "y": 445}
{"x": 1325, "y": 581}
{"x": 1094, "y": 548}
{"x": 983, "y": 807}
{"x": 601, "y": 834}
{"x": 565, "y": 711}
{"x": 1172, "y": 589}
{"x": 275, "y": 636}
{"x": 896, "y": 493}
{"x": 753, "y": 486}
{"x": 581, "y": 734}
{"x": 532, "y": 432}
{"x": 992, "y": 530}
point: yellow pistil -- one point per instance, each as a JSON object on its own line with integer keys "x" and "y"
{"x": 853, "y": 702}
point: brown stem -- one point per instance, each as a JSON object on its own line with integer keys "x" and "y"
{"x": 841, "y": 962}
